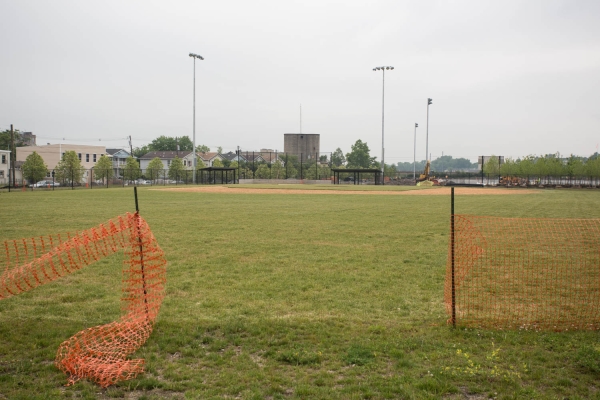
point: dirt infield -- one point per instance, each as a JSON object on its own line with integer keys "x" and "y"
{"x": 437, "y": 191}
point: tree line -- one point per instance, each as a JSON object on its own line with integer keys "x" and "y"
{"x": 170, "y": 143}
{"x": 70, "y": 171}
{"x": 69, "y": 168}
{"x": 547, "y": 167}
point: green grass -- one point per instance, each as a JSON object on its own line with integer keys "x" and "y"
{"x": 289, "y": 296}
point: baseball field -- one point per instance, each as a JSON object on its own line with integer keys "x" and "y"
{"x": 289, "y": 292}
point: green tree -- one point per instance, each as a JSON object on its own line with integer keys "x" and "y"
{"x": 526, "y": 166}
{"x": 555, "y": 167}
{"x": 103, "y": 168}
{"x": 443, "y": 163}
{"x": 217, "y": 163}
{"x": 390, "y": 171}
{"x": 592, "y": 168}
{"x": 508, "y": 168}
{"x": 141, "y": 151}
{"x": 185, "y": 144}
{"x": 359, "y": 157}
{"x": 262, "y": 172}
{"x": 202, "y": 149}
{"x": 575, "y": 167}
{"x": 34, "y": 169}
{"x": 5, "y": 139}
{"x": 309, "y": 170}
{"x": 337, "y": 158}
{"x": 155, "y": 169}
{"x": 199, "y": 163}
{"x": 219, "y": 150}
{"x": 176, "y": 169}
{"x": 492, "y": 166}
{"x": 290, "y": 164}
{"x": 540, "y": 167}
{"x": 277, "y": 170}
{"x": 69, "y": 169}
{"x": 132, "y": 170}
{"x": 170, "y": 143}
{"x": 408, "y": 166}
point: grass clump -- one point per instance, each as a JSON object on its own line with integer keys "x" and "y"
{"x": 359, "y": 355}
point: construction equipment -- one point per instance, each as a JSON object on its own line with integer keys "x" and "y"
{"x": 425, "y": 179}
{"x": 425, "y": 175}
{"x": 512, "y": 181}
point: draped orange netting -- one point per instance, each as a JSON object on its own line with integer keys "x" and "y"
{"x": 525, "y": 273}
{"x": 99, "y": 353}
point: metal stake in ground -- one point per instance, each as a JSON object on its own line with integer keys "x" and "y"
{"x": 140, "y": 244}
{"x": 452, "y": 255}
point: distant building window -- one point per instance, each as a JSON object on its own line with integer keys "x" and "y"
{"x": 87, "y": 157}
{"x": 3, "y": 158}
{"x": 101, "y": 154}
{"x": 94, "y": 157}
{"x": 79, "y": 155}
{"x": 62, "y": 155}
{"x": 1, "y": 174}
{"x": 168, "y": 162}
{"x": 48, "y": 175}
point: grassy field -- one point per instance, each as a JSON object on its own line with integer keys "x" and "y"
{"x": 289, "y": 296}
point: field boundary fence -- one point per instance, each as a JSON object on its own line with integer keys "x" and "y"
{"x": 517, "y": 180}
{"x": 248, "y": 165}
{"x": 274, "y": 166}
{"x": 523, "y": 273}
{"x": 99, "y": 353}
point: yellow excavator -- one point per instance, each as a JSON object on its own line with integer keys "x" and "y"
{"x": 425, "y": 175}
{"x": 424, "y": 179}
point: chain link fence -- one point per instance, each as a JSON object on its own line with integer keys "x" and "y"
{"x": 273, "y": 166}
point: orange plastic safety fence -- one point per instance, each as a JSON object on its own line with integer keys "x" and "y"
{"x": 99, "y": 353}
{"x": 514, "y": 273}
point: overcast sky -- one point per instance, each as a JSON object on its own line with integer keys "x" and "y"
{"x": 507, "y": 77}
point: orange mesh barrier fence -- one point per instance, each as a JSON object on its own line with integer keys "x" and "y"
{"x": 99, "y": 353}
{"x": 514, "y": 273}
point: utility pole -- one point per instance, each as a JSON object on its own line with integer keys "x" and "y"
{"x": 194, "y": 56}
{"x": 415, "y": 153}
{"x": 130, "y": 146}
{"x": 13, "y": 154}
{"x": 382, "y": 120}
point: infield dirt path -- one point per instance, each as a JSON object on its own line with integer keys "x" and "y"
{"x": 422, "y": 192}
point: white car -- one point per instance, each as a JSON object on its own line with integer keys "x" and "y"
{"x": 44, "y": 184}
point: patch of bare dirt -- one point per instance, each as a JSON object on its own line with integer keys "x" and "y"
{"x": 436, "y": 191}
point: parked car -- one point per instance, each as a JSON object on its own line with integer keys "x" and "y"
{"x": 44, "y": 184}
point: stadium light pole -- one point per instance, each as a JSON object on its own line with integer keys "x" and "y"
{"x": 415, "y": 153}
{"x": 194, "y": 56}
{"x": 427, "y": 132}
{"x": 382, "y": 121}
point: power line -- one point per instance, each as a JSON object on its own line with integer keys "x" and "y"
{"x": 113, "y": 139}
